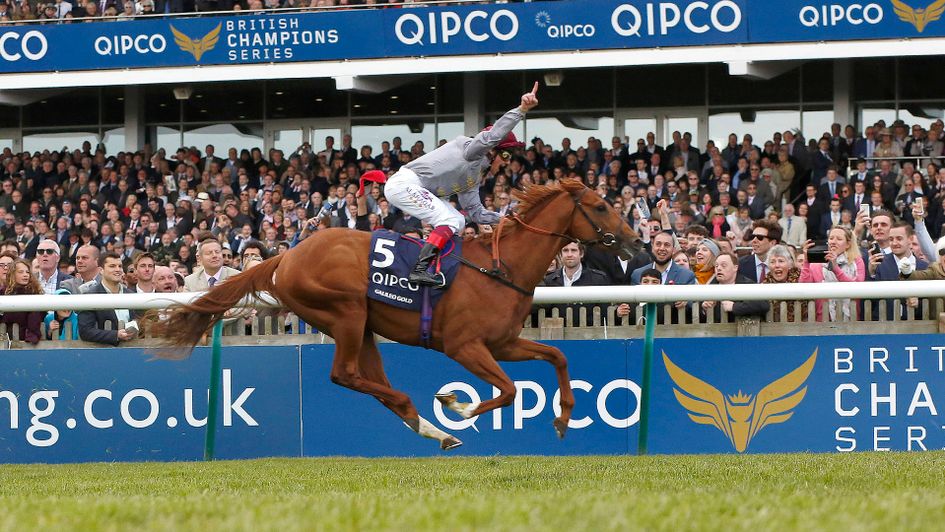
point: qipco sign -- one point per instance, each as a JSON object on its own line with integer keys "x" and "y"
{"x": 662, "y": 18}
{"x": 440, "y": 27}
{"x": 31, "y": 46}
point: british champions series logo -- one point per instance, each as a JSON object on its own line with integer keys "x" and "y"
{"x": 197, "y": 47}
{"x": 919, "y": 17}
{"x": 740, "y": 416}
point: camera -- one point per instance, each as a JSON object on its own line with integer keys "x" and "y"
{"x": 643, "y": 208}
{"x": 817, "y": 254}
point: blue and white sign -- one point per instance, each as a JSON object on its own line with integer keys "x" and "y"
{"x": 119, "y": 405}
{"x": 819, "y": 394}
{"x": 457, "y": 30}
{"x": 605, "y": 419}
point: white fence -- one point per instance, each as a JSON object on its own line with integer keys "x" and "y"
{"x": 543, "y": 295}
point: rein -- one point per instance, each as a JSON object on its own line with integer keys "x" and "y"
{"x": 605, "y": 239}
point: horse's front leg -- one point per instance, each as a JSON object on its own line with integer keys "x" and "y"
{"x": 521, "y": 349}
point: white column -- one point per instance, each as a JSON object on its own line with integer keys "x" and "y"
{"x": 474, "y": 105}
{"x": 844, "y": 110}
{"x": 134, "y": 117}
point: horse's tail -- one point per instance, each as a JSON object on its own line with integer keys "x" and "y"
{"x": 183, "y": 325}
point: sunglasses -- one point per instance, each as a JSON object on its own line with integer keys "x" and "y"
{"x": 5, "y": 264}
{"x": 47, "y": 252}
{"x": 758, "y": 237}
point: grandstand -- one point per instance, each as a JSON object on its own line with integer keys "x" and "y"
{"x": 159, "y": 146}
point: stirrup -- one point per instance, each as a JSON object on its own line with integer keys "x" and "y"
{"x": 438, "y": 276}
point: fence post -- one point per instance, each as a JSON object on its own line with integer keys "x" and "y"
{"x": 213, "y": 403}
{"x": 647, "y": 369}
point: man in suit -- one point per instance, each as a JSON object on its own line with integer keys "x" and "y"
{"x": 797, "y": 152}
{"x": 861, "y": 173}
{"x": 765, "y": 234}
{"x": 210, "y": 257}
{"x": 574, "y": 273}
{"x": 830, "y": 218}
{"x": 830, "y": 187}
{"x": 209, "y": 158}
{"x": 793, "y": 228}
{"x": 101, "y": 326}
{"x": 816, "y": 208}
{"x": 888, "y": 175}
{"x": 887, "y": 267}
{"x": 864, "y": 147}
{"x": 822, "y": 161}
{"x": 87, "y": 270}
{"x": 859, "y": 197}
{"x": 49, "y": 276}
{"x": 663, "y": 246}
{"x": 726, "y": 273}
{"x": 755, "y": 202}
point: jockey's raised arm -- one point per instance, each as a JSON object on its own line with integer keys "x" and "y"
{"x": 456, "y": 167}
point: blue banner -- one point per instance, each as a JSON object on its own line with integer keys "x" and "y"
{"x": 455, "y": 30}
{"x": 120, "y": 405}
{"x": 819, "y": 394}
{"x": 342, "y": 422}
{"x": 708, "y": 395}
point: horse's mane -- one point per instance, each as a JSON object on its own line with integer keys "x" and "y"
{"x": 535, "y": 195}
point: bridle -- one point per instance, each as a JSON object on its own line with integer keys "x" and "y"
{"x": 606, "y": 239}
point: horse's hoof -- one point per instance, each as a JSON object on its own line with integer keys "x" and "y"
{"x": 446, "y": 399}
{"x": 450, "y": 443}
{"x": 560, "y": 428}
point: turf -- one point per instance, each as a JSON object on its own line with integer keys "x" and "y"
{"x": 875, "y": 491}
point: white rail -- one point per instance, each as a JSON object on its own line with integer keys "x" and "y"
{"x": 543, "y": 295}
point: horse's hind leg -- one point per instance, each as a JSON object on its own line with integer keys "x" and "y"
{"x": 372, "y": 368}
{"x": 475, "y": 357}
{"x": 521, "y": 349}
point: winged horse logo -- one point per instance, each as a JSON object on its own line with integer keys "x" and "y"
{"x": 740, "y": 416}
{"x": 197, "y": 47}
{"x": 919, "y": 17}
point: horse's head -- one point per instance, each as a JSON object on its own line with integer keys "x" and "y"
{"x": 596, "y": 223}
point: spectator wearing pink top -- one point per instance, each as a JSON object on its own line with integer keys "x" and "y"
{"x": 844, "y": 264}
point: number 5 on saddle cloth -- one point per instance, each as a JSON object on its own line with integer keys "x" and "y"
{"x": 393, "y": 255}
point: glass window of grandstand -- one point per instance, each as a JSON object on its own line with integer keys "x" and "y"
{"x": 906, "y": 88}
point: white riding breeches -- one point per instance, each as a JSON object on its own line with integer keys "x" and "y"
{"x": 405, "y": 191}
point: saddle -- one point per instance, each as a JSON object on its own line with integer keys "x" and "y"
{"x": 393, "y": 256}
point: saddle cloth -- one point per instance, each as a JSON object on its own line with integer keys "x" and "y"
{"x": 393, "y": 256}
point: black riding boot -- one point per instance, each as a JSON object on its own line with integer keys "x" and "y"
{"x": 420, "y": 275}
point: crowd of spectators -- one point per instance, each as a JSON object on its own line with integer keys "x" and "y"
{"x": 788, "y": 211}
{"x": 69, "y": 11}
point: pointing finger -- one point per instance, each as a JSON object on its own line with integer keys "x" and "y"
{"x": 535, "y": 89}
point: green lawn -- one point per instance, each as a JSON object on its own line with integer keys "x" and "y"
{"x": 876, "y": 491}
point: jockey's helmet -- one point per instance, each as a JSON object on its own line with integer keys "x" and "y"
{"x": 510, "y": 141}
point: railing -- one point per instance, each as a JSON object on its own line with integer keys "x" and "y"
{"x": 593, "y": 318}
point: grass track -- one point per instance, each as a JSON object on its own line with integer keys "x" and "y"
{"x": 875, "y": 491}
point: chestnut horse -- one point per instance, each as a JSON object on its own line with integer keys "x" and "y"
{"x": 477, "y": 322}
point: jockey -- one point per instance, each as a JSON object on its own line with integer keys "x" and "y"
{"x": 456, "y": 167}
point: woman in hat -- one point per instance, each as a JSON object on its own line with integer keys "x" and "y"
{"x": 888, "y": 148}
{"x": 706, "y": 252}
{"x": 457, "y": 167}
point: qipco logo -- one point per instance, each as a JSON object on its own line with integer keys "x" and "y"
{"x": 477, "y": 26}
{"x": 130, "y": 44}
{"x": 531, "y": 399}
{"x": 660, "y": 18}
{"x": 31, "y": 45}
{"x": 835, "y": 15}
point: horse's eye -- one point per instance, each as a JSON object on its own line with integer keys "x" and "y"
{"x": 601, "y": 208}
